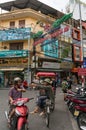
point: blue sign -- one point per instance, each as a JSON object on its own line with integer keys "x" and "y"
{"x": 13, "y": 53}
{"x": 84, "y": 63}
{"x": 50, "y": 48}
{"x": 15, "y": 34}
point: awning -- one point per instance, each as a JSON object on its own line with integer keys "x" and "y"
{"x": 11, "y": 69}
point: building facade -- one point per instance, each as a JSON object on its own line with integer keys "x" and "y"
{"x": 55, "y": 51}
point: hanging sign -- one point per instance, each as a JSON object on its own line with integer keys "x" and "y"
{"x": 53, "y": 35}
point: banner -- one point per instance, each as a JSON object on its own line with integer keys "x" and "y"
{"x": 13, "y": 53}
{"x": 15, "y": 34}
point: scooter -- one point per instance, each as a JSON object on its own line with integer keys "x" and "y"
{"x": 80, "y": 113}
{"x": 19, "y": 120}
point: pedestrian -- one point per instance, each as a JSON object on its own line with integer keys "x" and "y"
{"x": 54, "y": 85}
{"x": 64, "y": 87}
{"x": 69, "y": 81}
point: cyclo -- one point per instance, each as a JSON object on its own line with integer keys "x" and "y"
{"x": 49, "y": 102}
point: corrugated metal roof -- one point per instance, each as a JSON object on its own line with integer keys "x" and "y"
{"x": 33, "y": 4}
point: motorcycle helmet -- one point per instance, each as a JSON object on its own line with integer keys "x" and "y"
{"x": 17, "y": 80}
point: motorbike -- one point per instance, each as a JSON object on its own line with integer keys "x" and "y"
{"x": 80, "y": 93}
{"x": 80, "y": 113}
{"x": 73, "y": 98}
{"x": 19, "y": 120}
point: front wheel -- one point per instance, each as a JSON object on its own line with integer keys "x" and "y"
{"x": 47, "y": 116}
{"x": 25, "y": 127}
{"x": 47, "y": 119}
{"x": 81, "y": 120}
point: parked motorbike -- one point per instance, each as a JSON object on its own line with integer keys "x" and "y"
{"x": 80, "y": 93}
{"x": 19, "y": 120}
{"x": 80, "y": 113}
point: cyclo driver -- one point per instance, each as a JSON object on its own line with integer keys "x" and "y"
{"x": 45, "y": 92}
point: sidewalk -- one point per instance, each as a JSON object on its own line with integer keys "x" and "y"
{"x": 67, "y": 121}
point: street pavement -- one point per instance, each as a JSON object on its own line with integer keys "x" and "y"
{"x": 60, "y": 119}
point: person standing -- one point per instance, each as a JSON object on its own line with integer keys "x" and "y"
{"x": 54, "y": 85}
{"x": 69, "y": 81}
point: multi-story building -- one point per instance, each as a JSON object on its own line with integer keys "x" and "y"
{"x": 53, "y": 51}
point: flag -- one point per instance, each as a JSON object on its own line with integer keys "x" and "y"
{"x": 58, "y": 22}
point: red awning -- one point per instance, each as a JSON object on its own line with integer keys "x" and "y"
{"x": 46, "y": 74}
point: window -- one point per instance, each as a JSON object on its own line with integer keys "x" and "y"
{"x": 16, "y": 46}
{"x": 21, "y": 23}
{"x": 76, "y": 34}
{"x": 12, "y": 24}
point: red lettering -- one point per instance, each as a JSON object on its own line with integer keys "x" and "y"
{"x": 57, "y": 33}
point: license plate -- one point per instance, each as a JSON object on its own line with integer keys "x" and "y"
{"x": 76, "y": 113}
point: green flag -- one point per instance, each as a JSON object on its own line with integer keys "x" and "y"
{"x": 58, "y": 22}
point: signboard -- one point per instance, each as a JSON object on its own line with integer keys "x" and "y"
{"x": 13, "y": 53}
{"x": 82, "y": 71}
{"x": 15, "y": 34}
{"x": 53, "y": 35}
{"x": 66, "y": 65}
{"x": 50, "y": 48}
{"x": 14, "y": 62}
{"x": 51, "y": 65}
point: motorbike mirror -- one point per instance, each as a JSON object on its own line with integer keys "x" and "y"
{"x": 77, "y": 88}
{"x": 81, "y": 89}
{"x": 83, "y": 127}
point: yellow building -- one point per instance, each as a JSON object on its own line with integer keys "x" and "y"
{"x": 16, "y": 43}
{"x": 23, "y": 19}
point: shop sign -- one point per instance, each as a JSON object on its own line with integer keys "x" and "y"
{"x": 14, "y": 62}
{"x": 53, "y": 35}
{"x": 82, "y": 71}
{"x": 51, "y": 65}
{"x": 15, "y": 34}
{"x": 66, "y": 65}
{"x": 13, "y": 53}
{"x": 50, "y": 48}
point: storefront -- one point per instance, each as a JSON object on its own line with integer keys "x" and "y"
{"x": 12, "y": 67}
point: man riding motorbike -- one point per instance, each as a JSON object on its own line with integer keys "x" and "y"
{"x": 15, "y": 93}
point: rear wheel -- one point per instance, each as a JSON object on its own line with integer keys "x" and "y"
{"x": 81, "y": 120}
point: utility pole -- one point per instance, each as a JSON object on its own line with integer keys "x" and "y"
{"x": 81, "y": 39}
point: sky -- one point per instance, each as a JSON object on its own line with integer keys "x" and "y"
{"x": 57, "y": 4}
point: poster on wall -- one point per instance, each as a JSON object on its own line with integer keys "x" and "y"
{"x": 50, "y": 48}
{"x": 77, "y": 53}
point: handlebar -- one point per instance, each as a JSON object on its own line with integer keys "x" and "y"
{"x": 31, "y": 98}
